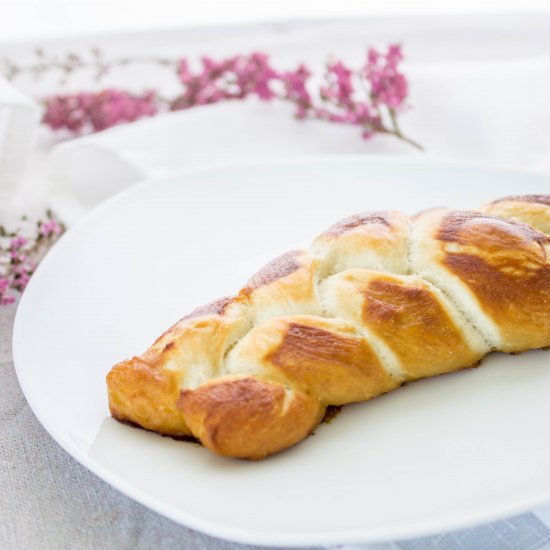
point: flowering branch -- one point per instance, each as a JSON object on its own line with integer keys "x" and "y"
{"x": 370, "y": 97}
{"x": 21, "y": 251}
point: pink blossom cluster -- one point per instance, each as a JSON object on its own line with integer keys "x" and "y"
{"x": 388, "y": 86}
{"x": 19, "y": 255}
{"x": 87, "y": 111}
{"x": 368, "y": 97}
{"x": 234, "y": 78}
{"x": 341, "y": 104}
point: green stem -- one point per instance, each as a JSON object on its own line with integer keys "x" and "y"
{"x": 406, "y": 139}
{"x": 396, "y": 131}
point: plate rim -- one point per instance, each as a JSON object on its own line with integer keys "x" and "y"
{"x": 188, "y": 519}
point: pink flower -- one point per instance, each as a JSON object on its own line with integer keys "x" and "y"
{"x": 18, "y": 256}
{"x": 296, "y": 91}
{"x": 339, "y": 88}
{"x": 5, "y": 298}
{"x": 388, "y": 86}
{"x": 184, "y": 74}
{"x": 4, "y": 285}
{"x": 368, "y": 116}
{"x": 394, "y": 55}
{"x": 262, "y": 76}
{"x": 21, "y": 274}
{"x": 233, "y": 78}
{"x": 17, "y": 242}
{"x": 372, "y": 56}
{"x": 21, "y": 282}
{"x": 49, "y": 228}
{"x": 97, "y": 111}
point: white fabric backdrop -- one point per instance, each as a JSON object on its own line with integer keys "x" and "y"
{"x": 479, "y": 89}
{"x": 29, "y": 19}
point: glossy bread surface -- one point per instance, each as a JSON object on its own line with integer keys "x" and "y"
{"x": 379, "y": 299}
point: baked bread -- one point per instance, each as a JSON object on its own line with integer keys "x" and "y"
{"x": 379, "y": 299}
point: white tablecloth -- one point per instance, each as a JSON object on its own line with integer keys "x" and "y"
{"x": 479, "y": 92}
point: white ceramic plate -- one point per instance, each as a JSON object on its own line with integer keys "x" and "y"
{"x": 436, "y": 455}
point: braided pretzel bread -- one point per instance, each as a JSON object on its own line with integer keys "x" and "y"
{"x": 379, "y": 299}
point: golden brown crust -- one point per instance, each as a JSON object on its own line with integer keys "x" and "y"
{"x": 144, "y": 390}
{"x": 252, "y": 374}
{"x": 338, "y": 368}
{"x": 249, "y": 418}
{"x": 378, "y": 241}
{"x": 531, "y": 209}
{"x": 217, "y": 307}
{"x": 409, "y": 316}
{"x": 505, "y": 265}
{"x": 412, "y": 321}
{"x": 280, "y": 267}
{"x": 469, "y": 228}
{"x": 146, "y": 394}
{"x": 358, "y": 221}
{"x": 286, "y": 286}
{"x": 539, "y": 199}
{"x": 324, "y": 357}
